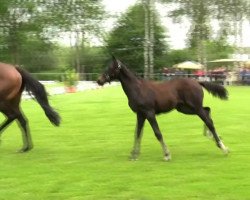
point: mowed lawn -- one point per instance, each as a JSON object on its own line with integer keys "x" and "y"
{"x": 87, "y": 157}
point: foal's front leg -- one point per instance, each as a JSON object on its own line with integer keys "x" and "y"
{"x": 152, "y": 120}
{"x": 138, "y": 136}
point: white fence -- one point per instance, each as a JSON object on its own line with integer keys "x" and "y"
{"x": 81, "y": 86}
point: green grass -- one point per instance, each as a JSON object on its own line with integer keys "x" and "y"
{"x": 87, "y": 156}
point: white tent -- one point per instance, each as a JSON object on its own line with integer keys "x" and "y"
{"x": 189, "y": 65}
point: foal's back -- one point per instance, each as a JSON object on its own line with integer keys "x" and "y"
{"x": 10, "y": 81}
{"x": 168, "y": 94}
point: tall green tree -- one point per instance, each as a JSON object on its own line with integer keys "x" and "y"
{"x": 126, "y": 40}
{"x": 16, "y": 25}
{"x": 78, "y": 18}
{"x": 32, "y": 25}
{"x": 201, "y": 13}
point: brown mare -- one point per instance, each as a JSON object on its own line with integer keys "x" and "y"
{"x": 148, "y": 98}
{"x": 13, "y": 80}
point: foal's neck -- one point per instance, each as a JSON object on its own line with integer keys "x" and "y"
{"x": 126, "y": 75}
{"x": 129, "y": 81}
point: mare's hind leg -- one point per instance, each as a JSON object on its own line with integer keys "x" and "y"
{"x": 6, "y": 123}
{"x": 10, "y": 115}
{"x": 27, "y": 141}
{"x": 138, "y": 136}
{"x": 152, "y": 120}
{"x": 206, "y": 131}
{"x": 203, "y": 114}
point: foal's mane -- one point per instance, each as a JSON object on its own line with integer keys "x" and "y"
{"x": 131, "y": 71}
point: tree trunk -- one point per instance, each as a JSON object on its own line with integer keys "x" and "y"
{"x": 149, "y": 38}
{"x": 146, "y": 38}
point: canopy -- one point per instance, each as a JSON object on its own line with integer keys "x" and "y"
{"x": 189, "y": 65}
{"x": 225, "y": 60}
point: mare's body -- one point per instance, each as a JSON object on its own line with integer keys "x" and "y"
{"x": 149, "y": 98}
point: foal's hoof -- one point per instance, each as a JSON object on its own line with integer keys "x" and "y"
{"x": 226, "y": 150}
{"x": 208, "y": 134}
{"x": 25, "y": 149}
{"x": 167, "y": 157}
{"x": 133, "y": 157}
{"x": 223, "y": 147}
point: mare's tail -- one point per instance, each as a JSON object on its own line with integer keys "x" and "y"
{"x": 37, "y": 89}
{"x": 216, "y": 90}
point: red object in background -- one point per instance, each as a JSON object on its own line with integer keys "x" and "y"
{"x": 199, "y": 73}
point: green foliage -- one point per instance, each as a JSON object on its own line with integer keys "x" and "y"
{"x": 21, "y": 39}
{"x": 27, "y": 28}
{"x": 177, "y": 56}
{"x": 127, "y": 38}
{"x": 70, "y": 78}
{"x": 218, "y": 49}
{"x": 87, "y": 156}
{"x": 92, "y": 59}
{"x": 201, "y": 13}
{"x": 214, "y": 50}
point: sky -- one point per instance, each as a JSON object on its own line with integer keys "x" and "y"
{"x": 176, "y": 32}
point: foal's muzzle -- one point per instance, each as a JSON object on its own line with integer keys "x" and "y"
{"x": 103, "y": 79}
{"x": 100, "y": 82}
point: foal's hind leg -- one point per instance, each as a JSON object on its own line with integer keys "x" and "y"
{"x": 27, "y": 141}
{"x": 203, "y": 114}
{"x": 138, "y": 136}
{"x": 152, "y": 120}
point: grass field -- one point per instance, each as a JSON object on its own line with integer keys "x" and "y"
{"x": 87, "y": 156}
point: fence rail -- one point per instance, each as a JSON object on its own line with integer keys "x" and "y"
{"x": 224, "y": 79}
{"x": 61, "y": 76}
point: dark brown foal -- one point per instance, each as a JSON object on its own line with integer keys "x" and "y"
{"x": 148, "y": 98}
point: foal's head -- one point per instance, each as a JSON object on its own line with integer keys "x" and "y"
{"x": 111, "y": 73}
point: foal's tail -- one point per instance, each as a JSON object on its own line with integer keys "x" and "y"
{"x": 37, "y": 89}
{"x": 216, "y": 90}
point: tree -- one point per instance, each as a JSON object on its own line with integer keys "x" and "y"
{"x": 177, "y": 56}
{"x": 126, "y": 40}
{"x": 91, "y": 60}
{"x": 31, "y": 25}
{"x": 15, "y": 21}
{"x": 201, "y": 13}
{"x": 78, "y": 18}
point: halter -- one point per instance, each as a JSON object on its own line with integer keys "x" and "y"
{"x": 119, "y": 66}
